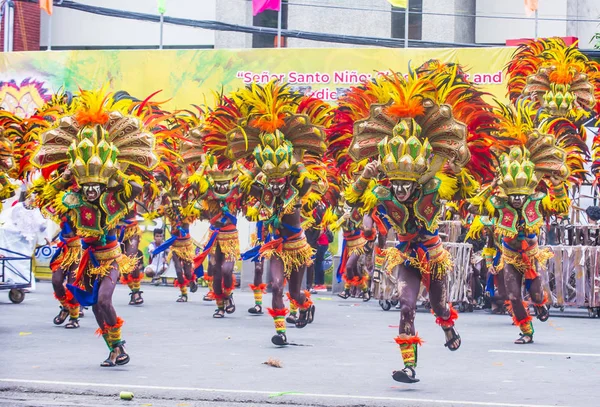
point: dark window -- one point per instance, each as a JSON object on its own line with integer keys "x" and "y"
{"x": 415, "y": 20}
{"x": 268, "y": 19}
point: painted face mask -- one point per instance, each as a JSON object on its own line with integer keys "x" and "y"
{"x": 222, "y": 187}
{"x": 277, "y": 186}
{"x": 403, "y": 189}
{"x": 91, "y": 192}
{"x": 516, "y": 201}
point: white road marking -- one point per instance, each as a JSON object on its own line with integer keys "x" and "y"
{"x": 597, "y": 355}
{"x": 268, "y": 393}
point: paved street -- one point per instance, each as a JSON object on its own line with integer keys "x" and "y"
{"x": 181, "y": 356}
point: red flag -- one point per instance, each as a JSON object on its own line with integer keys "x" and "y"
{"x": 258, "y": 6}
{"x": 46, "y": 5}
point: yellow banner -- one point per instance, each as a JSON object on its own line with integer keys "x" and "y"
{"x": 190, "y": 76}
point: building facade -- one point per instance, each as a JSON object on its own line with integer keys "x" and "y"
{"x": 434, "y": 22}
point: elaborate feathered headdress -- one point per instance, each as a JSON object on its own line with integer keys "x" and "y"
{"x": 269, "y": 128}
{"x": 410, "y": 131}
{"x": 97, "y": 141}
{"x": 559, "y": 78}
{"x": 523, "y": 166}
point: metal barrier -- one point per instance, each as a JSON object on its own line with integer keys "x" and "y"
{"x": 573, "y": 276}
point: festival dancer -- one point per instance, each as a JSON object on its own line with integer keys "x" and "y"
{"x": 257, "y": 286}
{"x": 421, "y": 149}
{"x": 181, "y": 246}
{"x": 518, "y": 201}
{"x": 64, "y": 266}
{"x": 353, "y": 247}
{"x": 129, "y": 237}
{"x": 218, "y": 198}
{"x": 278, "y": 126}
{"x": 90, "y": 150}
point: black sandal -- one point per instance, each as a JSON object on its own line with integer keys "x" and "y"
{"x": 256, "y": 310}
{"x": 455, "y": 337}
{"x": 139, "y": 300}
{"x": 344, "y": 294}
{"x": 122, "y": 358}
{"x": 208, "y": 297}
{"x": 542, "y": 312}
{"x": 366, "y": 296}
{"x": 279, "y": 340}
{"x": 108, "y": 362}
{"x": 302, "y": 320}
{"x": 523, "y": 341}
{"x": 219, "y": 313}
{"x": 182, "y": 298}
{"x": 311, "y": 314}
{"x": 59, "y": 319}
{"x": 230, "y": 307}
{"x": 291, "y": 319}
{"x": 193, "y": 286}
{"x": 406, "y": 375}
{"x": 132, "y": 299}
{"x": 72, "y": 324}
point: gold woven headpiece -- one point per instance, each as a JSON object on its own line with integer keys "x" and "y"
{"x": 219, "y": 175}
{"x": 405, "y": 156}
{"x": 274, "y": 154}
{"x": 92, "y": 158}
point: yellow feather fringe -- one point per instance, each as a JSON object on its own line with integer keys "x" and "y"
{"x": 252, "y": 213}
{"x": 448, "y": 187}
{"x": 330, "y": 220}
{"x": 476, "y": 228}
{"x": 489, "y": 251}
{"x": 369, "y": 199}
{"x": 151, "y": 215}
{"x": 246, "y": 180}
{"x": 482, "y": 202}
{"x": 7, "y": 191}
{"x": 200, "y": 181}
{"x": 468, "y": 185}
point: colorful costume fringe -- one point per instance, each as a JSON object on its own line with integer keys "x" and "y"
{"x": 69, "y": 303}
{"x": 69, "y": 253}
{"x": 294, "y": 252}
{"x": 449, "y": 321}
{"x": 527, "y": 260}
{"x": 228, "y": 240}
{"x": 112, "y": 334}
{"x": 408, "y": 348}
{"x": 258, "y": 291}
{"x": 183, "y": 248}
{"x": 354, "y": 244}
{"x": 97, "y": 260}
{"x": 429, "y": 257}
{"x": 279, "y": 319}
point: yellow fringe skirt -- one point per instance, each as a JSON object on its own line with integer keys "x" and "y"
{"x": 537, "y": 258}
{"x": 184, "y": 249}
{"x": 355, "y": 244}
{"x": 229, "y": 243}
{"x": 105, "y": 258}
{"x": 131, "y": 231}
{"x": 71, "y": 254}
{"x": 294, "y": 253}
{"x": 435, "y": 261}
